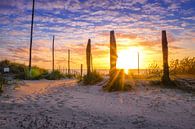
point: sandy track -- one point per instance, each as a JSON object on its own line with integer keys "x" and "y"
{"x": 63, "y": 104}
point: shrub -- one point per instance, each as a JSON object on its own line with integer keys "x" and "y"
{"x": 70, "y": 75}
{"x": 154, "y": 70}
{"x": 185, "y": 65}
{"x": 93, "y": 78}
{"x": 55, "y": 75}
{"x": 35, "y": 73}
{"x": 22, "y": 72}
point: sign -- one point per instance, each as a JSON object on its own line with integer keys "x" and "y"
{"x": 6, "y": 70}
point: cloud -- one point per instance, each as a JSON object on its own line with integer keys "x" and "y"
{"x": 136, "y": 23}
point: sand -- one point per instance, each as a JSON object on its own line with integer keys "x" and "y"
{"x": 64, "y": 104}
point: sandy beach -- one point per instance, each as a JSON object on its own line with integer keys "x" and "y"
{"x": 64, "y": 104}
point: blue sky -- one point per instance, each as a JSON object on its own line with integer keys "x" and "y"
{"x": 137, "y": 23}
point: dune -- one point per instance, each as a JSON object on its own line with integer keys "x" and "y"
{"x": 64, "y": 104}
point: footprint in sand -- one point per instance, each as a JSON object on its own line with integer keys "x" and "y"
{"x": 57, "y": 99}
{"x": 60, "y": 105}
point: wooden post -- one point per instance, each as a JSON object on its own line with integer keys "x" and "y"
{"x": 53, "y": 54}
{"x": 88, "y": 56}
{"x": 113, "y": 55}
{"x": 138, "y": 62}
{"x": 113, "y": 52}
{"x": 116, "y": 81}
{"x": 91, "y": 63}
{"x": 31, "y": 35}
{"x": 81, "y": 70}
{"x": 68, "y": 62}
{"x": 165, "y": 77}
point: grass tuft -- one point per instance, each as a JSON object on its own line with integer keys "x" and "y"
{"x": 93, "y": 78}
{"x": 55, "y": 75}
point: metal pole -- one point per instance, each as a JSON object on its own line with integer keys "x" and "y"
{"x": 81, "y": 70}
{"x": 68, "y": 62}
{"x": 31, "y": 36}
{"x": 53, "y": 54}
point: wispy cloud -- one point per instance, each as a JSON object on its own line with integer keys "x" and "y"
{"x": 136, "y": 22}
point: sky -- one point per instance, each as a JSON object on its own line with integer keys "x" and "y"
{"x": 137, "y": 25}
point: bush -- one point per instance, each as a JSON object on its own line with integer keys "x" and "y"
{"x": 154, "y": 70}
{"x": 55, "y": 75}
{"x": 185, "y": 66}
{"x": 22, "y": 72}
{"x": 93, "y": 78}
{"x": 35, "y": 73}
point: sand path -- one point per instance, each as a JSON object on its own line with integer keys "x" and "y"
{"x": 63, "y": 104}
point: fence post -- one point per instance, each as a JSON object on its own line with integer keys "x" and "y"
{"x": 53, "y": 54}
{"x": 165, "y": 77}
{"x": 81, "y": 70}
{"x": 68, "y": 62}
{"x": 88, "y": 57}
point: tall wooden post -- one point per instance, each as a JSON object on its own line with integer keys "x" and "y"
{"x": 116, "y": 81}
{"x": 165, "y": 77}
{"x": 68, "y": 62}
{"x": 138, "y": 63}
{"x": 88, "y": 56}
{"x": 91, "y": 63}
{"x": 113, "y": 52}
{"x": 53, "y": 54}
{"x": 81, "y": 70}
{"x": 31, "y": 35}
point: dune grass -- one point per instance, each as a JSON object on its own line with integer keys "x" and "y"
{"x": 119, "y": 81}
{"x": 93, "y": 78}
{"x": 183, "y": 66}
{"x": 55, "y": 75}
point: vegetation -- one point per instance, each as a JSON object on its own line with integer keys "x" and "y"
{"x": 56, "y": 74}
{"x": 21, "y": 71}
{"x": 92, "y": 78}
{"x": 183, "y": 66}
{"x": 154, "y": 70}
{"x": 120, "y": 82}
{"x": 35, "y": 73}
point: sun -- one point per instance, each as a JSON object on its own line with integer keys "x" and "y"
{"x": 127, "y": 59}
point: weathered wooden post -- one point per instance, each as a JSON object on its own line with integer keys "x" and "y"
{"x": 88, "y": 56}
{"x": 138, "y": 63}
{"x": 91, "y": 63}
{"x": 81, "y": 70}
{"x": 113, "y": 53}
{"x": 165, "y": 77}
{"x": 116, "y": 81}
{"x": 68, "y": 62}
{"x": 53, "y": 54}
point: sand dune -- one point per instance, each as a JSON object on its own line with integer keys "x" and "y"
{"x": 63, "y": 104}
